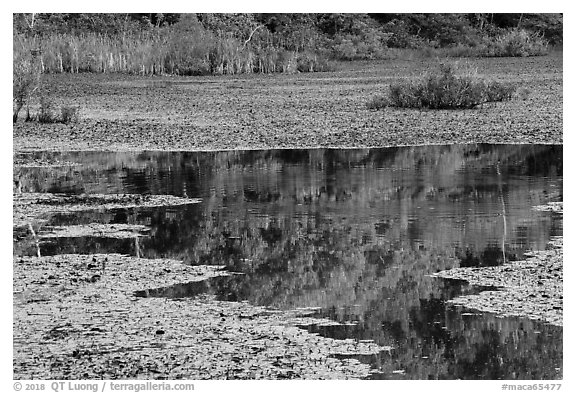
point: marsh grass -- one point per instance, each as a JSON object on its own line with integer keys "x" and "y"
{"x": 192, "y": 50}
{"x": 449, "y": 87}
{"x": 177, "y": 52}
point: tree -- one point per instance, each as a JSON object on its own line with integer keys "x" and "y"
{"x": 25, "y": 80}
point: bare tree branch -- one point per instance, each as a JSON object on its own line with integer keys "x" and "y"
{"x": 30, "y": 22}
{"x": 251, "y": 34}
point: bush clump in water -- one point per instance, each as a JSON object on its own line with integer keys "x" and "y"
{"x": 446, "y": 89}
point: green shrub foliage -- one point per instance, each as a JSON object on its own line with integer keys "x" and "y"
{"x": 447, "y": 88}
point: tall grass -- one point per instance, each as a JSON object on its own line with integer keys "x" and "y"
{"x": 197, "y": 51}
{"x": 167, "y": 52}
{"x": 449, "y": 87}
{"x": 190, "y": 49}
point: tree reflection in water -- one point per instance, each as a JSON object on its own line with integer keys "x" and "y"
{"x": 353, "y": 232}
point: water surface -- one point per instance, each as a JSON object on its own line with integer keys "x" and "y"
{"x": 355, "y": 233}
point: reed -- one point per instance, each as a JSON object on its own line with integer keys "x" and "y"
{"x": 172, "y": 51}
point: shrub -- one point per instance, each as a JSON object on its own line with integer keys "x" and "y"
{"x": 524, "y": 93}
{"x": 498, "y": 91}
{"x": 378, "y": 102}
{"x": 313, "y": 62}
{"x": 518, "y": 43}
{"x": 512, "y": 43}
{"x": 69, "y": 114}
{"x": 46, "y": 114}
{"x": 345, "y": 50}
{"x": 447, "y": 89}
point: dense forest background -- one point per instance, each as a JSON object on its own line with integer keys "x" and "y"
{"x": 192, "y": 44}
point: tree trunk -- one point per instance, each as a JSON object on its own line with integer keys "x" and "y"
{"x": 19, "y": 106}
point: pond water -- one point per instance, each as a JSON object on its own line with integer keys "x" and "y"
{"x": 354, "y": 234}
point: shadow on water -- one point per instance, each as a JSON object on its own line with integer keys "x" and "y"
{"x": 220, "y": 286}
{"x": 353, "y": 233}
{"x": 86, "y": 245}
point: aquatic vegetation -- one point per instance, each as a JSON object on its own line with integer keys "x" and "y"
{"x": 34, "y": 207}
{"x": 532, "y": 287}
{"x": 72, "y": 311}
{"x": 115, "y": 231}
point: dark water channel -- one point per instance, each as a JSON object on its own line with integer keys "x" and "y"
{"x": 353, "y": 233}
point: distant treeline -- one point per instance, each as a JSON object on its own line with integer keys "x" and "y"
{"x": 189, "y": 44}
